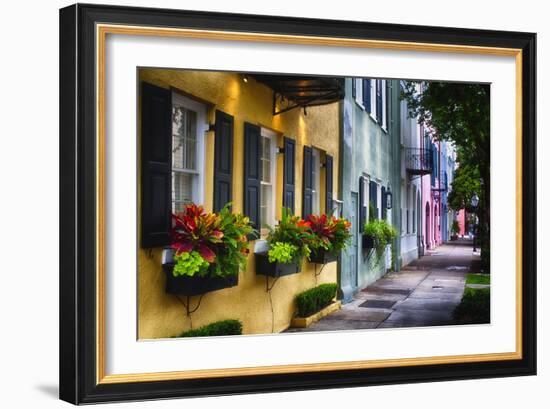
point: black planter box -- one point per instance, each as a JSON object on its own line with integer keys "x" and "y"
{"x": 264, "y": 267}
{"x": 369, "y": 242}
{"x": 183, "y": 285}
{"x": 322, "y": 257}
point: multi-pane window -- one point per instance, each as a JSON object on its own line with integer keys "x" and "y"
{"x": 267, "y": 195}
{"x": 316, "y": 179}
{"x": 186, "y": 145}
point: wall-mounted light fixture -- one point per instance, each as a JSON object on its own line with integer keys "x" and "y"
{"x": 389, "y": 198}
{"x": 245, "y": 78}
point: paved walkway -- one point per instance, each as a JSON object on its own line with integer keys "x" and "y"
{"x": 424, "y": 293}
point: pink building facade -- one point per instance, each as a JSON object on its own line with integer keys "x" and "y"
{"x": 431, "y": 188}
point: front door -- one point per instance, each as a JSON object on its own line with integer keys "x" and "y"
{"x": 354, "y": 248}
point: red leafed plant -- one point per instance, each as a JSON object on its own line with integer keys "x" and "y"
{"x": 330, "y": 233}
{"x": 195, "y": 230}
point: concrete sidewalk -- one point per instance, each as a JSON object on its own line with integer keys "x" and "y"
{"x": 424, "y": 293}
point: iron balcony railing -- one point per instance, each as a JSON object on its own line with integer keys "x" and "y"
{"x": 418, "y": 161}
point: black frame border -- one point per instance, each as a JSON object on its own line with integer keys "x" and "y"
{"x": 77, "y": 204}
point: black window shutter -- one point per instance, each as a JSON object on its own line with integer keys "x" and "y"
{"x": 366, "y": 94}
{"x": 379, "y": 101}
{"x": 373, "y": 187}
{"x": 353, "y": 88}
{"x": 156, "y": 165}
{"x": 383, "y": 190}
{"x": 329, "y": 176}
{"x": 362, "y": 204}
{"x": 252, "y": 173}
{"x": 223, "y": 160}
{"x": 289, "y": 174}
{"x": 307, "y": 182}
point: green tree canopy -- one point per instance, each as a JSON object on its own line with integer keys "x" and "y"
{"x": 465, "y": 185}
{"x": 457, "y": 112}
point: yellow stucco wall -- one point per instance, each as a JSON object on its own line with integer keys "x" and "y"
{"x": 162, "y": 315}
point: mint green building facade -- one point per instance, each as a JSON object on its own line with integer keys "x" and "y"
{"x": 369, "y": 176}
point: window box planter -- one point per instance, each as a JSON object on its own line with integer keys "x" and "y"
{"x": 184, "y": 285}
{"x": 369, "y": 242}
{"x": 322, "y": 256}
{"x": 264, "y": 267}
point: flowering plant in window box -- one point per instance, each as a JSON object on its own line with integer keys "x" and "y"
{"x": 377, "y": 234}
{"x": 208, "y": 250}
{"x": 330, "y": 236}
{"x": 288, "y": 245}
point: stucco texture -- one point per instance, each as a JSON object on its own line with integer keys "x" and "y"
{"x": 162, "y": 315}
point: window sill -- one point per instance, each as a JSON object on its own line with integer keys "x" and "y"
{"x": 359, "y": 104}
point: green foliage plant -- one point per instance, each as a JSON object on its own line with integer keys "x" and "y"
{"x": 218, "y": 328}
{"x": 292, "y": 230}
{"x": 315, "y": 299}
{"x": 382, "y": 232}
{"x": 190, "y": 264}
{"x": 280, "y": 252}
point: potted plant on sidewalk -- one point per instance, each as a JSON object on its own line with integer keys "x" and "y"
{"x": 208, "y": 250}
{"x": 287, "y": 246}
{"x": 455, "y": 228}
{"x": 330, "y": 236}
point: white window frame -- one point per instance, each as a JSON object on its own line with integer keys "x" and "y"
{"x": 316, "y": 182}
{"x": 379, "y": 198}
{"x": 201, "y": 129}
{"x": 366, "y": 196}
{"x": 384, "y": 125}
{"x": 272, "y": 136}
{"x": 358, "y": 83}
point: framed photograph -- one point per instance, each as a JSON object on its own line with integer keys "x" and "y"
{"x": 258, "y": 203}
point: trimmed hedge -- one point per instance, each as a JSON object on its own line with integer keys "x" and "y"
{"x": 475, "y": 307}
{"x": 315, "y": 299}
{"x": 218, "y": 328}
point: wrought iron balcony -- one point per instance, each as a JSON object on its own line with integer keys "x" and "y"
{"x": 418, "y": 161}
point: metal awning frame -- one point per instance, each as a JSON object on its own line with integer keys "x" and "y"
{"x": 277, "y": 96}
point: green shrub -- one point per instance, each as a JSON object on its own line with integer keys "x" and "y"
{"x": 218, "y": 328}
{"x": 315, "y": 299}
{"x": 475, "y": 307}
{"x": 478, "y": 279}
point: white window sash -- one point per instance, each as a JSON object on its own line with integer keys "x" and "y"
{"x": 359, "y": 92}
{"x": 373, "y": 99}
{"x": 201, "y": 129}
{"x": 268, "y": 134}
